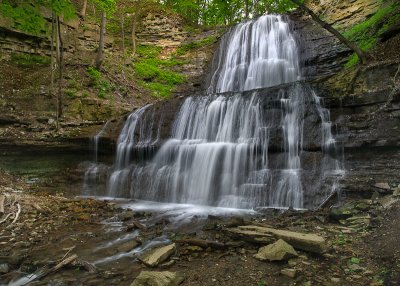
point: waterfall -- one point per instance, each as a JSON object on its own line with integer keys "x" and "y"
{"x": 231, "y": 148}
{"x": 255, "y": 54}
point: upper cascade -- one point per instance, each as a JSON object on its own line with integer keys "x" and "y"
{"x": 255, "y": 54}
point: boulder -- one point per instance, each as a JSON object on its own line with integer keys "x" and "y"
{"x": 304, "y": 241}
{"x": 153, "y": 278}
{"x": 4, "y": 268}
{"x": 278, "y": 251}
{"x": 158, "y": 255}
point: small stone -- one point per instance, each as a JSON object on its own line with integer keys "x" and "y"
{"x": 356, "y": 268}
{"x": 335, "y": 280}
{"x": 194, "y": 248}
{"x": 382, "y": 186}
{"x": 153, "y": 278}
{"x": 4, "y": 268}
{"x": 289, "y": 272}
{"x": 293, "y": 262}
{"x": 278, "y": 251}
{"x": 356, "y": 276}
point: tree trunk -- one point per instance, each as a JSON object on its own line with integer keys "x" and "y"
{"x": 123, "y": 35}
{"x": 100, "y": 55}
{"x": 83, "y": 11}
{"x": 133, "y": 35}
{"x": 54, "y": 60}
{"x": 60, "y": 69}
{"x": 246, "y": 9}
{"x": 53, "y": 64}
{"x": 336, "y": 33}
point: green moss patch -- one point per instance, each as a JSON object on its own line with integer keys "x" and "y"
{"x": 29, "y": 60}
{"x": 366, "y": 33}
{"x": 185, "y": 48}
{"x": 156, "y": 74}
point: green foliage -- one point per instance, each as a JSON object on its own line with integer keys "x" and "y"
{"x": 27, "y": 17}
{"x": 105, "y": 5}
{"x": 355, "y": 260}
{"x": 274, "y": 6}
{"x": 226, "y": 12}
{"x": 195, "y": 45}
{"x": 71, "y": 92}
{"x": 102, "y": 86}
{"x": 148, "y": 52}
{"x": 261, "y": 283}
{"x": 158, "y": 90}
{"x": 29, "y": 60}
{"x": 352, "y": 61}
{"x": 61, "y": 7}
{"x": 366, "y": 33}
{"x": 94, "y": 74}
{"x": 155, "y": 74}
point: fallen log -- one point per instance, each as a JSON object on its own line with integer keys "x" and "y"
{"x": 202, "y": 243}
{"x": 54, "y": 269}
{"x": 6, "y": 218}
{"x": 17, "y": 214}
{"x": 2, "y": 199}
{"x": 304, "y": 241}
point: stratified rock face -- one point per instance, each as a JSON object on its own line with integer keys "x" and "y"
{"x": 321, "y": 53}
{"x": 344, "y": 13}
{"x": 278, "y": 251}
{"x": 161, "y": 30}
{"x": 79, "y": 42}
{"x": 164, "y": 278}
{"x": 365, "y": 108}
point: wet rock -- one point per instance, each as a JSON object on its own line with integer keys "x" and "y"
{"x": 382, "y": 186}
{"x": 153, "y": 278}
{"x": 4, "y": 268}
{"x": 388, "y": 201}
{"x": 278, "y": 251}
{"x": 304, "y": 241}
{"x": 342, "y": 212}
{"x": 235, "y": 221}
{"x": 289, "y": 272}
{"x": 128, "y": 246}
{"x": 14, "y": 259}
{"x": 126, "y": 215}
{"x": 158, "y": 255}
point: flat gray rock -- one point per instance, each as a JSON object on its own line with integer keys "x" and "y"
{"x": 157, "y": 255}
{"x": 153, "y": 278}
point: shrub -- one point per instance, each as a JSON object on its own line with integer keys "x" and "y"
{"x": 29, "y": 59}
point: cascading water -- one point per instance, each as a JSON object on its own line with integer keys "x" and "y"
{"x": 256, "y": 54}
{"x": 232, "y": 148}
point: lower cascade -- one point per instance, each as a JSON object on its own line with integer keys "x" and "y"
{"x": 234, "y": 147}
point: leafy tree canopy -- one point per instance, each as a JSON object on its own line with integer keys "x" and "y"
{"x": 106, "y": 5}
